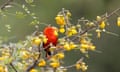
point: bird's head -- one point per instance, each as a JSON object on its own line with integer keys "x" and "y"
{"x": 50, "y": 30}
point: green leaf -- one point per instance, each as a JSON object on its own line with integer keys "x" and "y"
{"x": 29, "y": 1}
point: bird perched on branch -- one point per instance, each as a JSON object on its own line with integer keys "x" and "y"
{"x": 51, "y": 34}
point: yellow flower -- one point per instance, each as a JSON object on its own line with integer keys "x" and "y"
{"x": 84, "y": 46}
{"x": 98, "y": 33}
{"x": 53, "y": 59}
{"x": 3, "y": 68}
{"x": 25, "y": 54}
{"x": 60, "y": 20}
{"x": 68, "y": 14}
{"x": 45, "y": 39}
{"x": 42, "y": 63}
{"x": 90, "y": 24}
{"x": 83, "y": 50}
{"x": 83, "y": 41}
{"x": 92, "y": 47}
{"x": 74, "y": 31}
{"x": 98, "y": 18}
{"x": 83, "y": 66}
{"x": 118, "y": 21}
{"x": 55, "y": 64}
{"x": 72, "y": 45}
{"x": 71, "y": 31}
{"x": 102, "y": 25}
{"x": 2, "y": 58}
{"x": 60, "y": 55}
{"x": 78, "y": 26}
{"x": 61, "y": 30}
{"x": 36, "y": 41}
{"x": 78, "y": 66}
{"x": 33, "y": 70}
{"x": 67, "y": 46}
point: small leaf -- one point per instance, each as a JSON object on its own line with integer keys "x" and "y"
{"x": 29, "y": 1}
{"x": 20, "y": 14}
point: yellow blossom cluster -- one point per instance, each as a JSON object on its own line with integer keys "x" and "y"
{"x": 81, "y": 66}
{"x": 59, "y": 55}
{"x": 86, "y": 45}
{"x": 38, "y": 39}
{"x": 3, "y": 68}
{"x": 54, "y": 62}
{"x": 42, "y": 63}
{"x": 69, "y": 46}
{"x": 62, "y": 29}
{"x": 5, "y": 54}
{"x": 60, "y": 20}
{"x": 24, "y": 54}
{"x": 33, "y": 70}
{"x": 101, "y": 26}
{"x": 71, "y": 31}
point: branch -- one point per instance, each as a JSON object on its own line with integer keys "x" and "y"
{"x": 66, "y": 18}
{"x": 5, "y": 4}
{"x": 97, "y": 23}
{"x": 32, "y": 66}
{"x": 109, "y": 15}
{"x": 13, "y": 67}
{"x": 36, "y": 61}
{"x": 86, "y": 30}
{"x": 79, "y": 61}
{"x": 114, "y": 12}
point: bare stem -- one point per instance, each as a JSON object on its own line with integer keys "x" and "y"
{"x": 79, "y": 61}
{"x": 5, "y": 4}
{"x": 66, "y": 19}
{"x": 13, "y": 67}
{"x": 114, "y": 12}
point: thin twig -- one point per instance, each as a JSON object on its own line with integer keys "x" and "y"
{"x": 34, "y": 64}
{"x": 86, "y": 30}
{"x": 5, "y": 4}
{"x": 79, "y": 61}
{"x": 13, "y": 67}
{"x": 112, "y": 13}
{"x": 66, "y": 18}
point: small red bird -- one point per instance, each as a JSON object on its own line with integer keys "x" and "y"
{"x": 52, "y": 38}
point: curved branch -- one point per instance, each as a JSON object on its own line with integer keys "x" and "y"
{"x": 5, "y": 4}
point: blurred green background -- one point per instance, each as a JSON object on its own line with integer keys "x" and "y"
{"x": 46, "y": 10}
